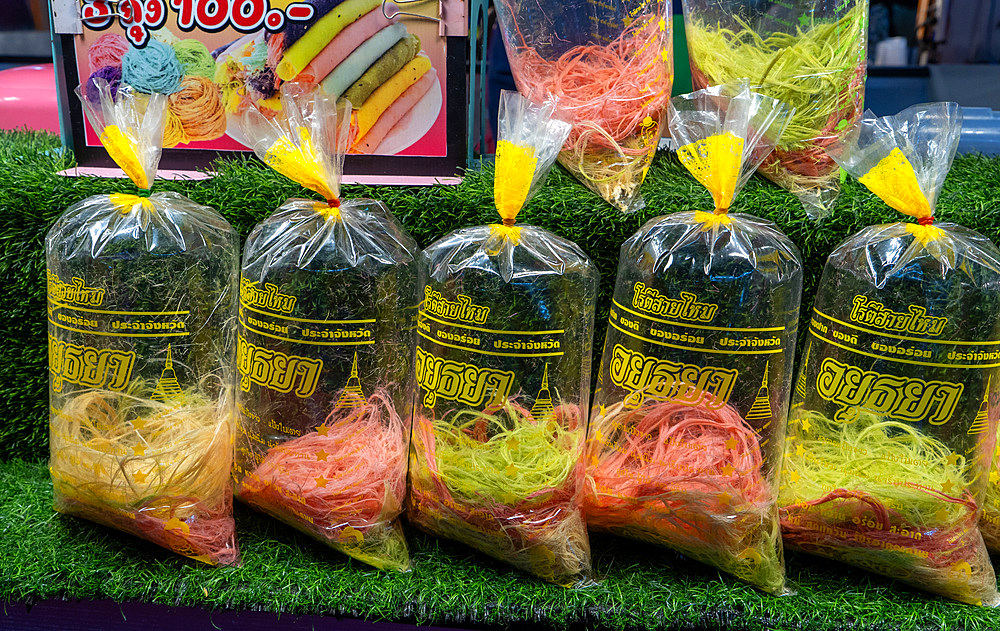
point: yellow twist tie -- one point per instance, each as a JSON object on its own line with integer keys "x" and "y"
{"x": 515, "y": 168}
{"x": 125, "y": 153}
{"x": 895, "y": 182}
{"x": 125, "y": 202}
{"x": 300, "y": 163}
{"x": 715, "y": 162}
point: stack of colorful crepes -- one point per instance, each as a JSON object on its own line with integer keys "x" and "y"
{"x": 352, "y": 50}
{"x": 183, "y": 69}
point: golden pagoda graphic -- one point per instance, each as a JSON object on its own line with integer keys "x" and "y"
{"x": 542, "y": 408}
{"x": 982, "y": 422}
{"x": 167, "y": 387}
{"x": 800, "y": 385}
{"x": 352, "y": 396}
{"x": 761, "y": 408}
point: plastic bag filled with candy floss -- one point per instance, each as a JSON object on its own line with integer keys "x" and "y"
{"x": 890, "y": 437}
{"x": 810, "y": 54}
{"x": 608, "y": 67}
{"x": 141, "y": 312}
{"x": 327, "y": 296}
{"x": 685, "y": 440}
{"x": 505, "y": 326}
{"x": 989, "y": 521}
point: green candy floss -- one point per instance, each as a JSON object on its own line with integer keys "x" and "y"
{"x": 195, "y": 58}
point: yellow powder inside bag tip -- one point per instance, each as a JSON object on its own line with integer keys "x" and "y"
{"x": 300, "y": 163}
{"x": 515, "y": 168}
{"x": 715, "y": 162}
{"x": 124, "y": 152}
{"x": 895, "y": 182}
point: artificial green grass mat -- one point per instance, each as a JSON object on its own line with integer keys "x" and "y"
{"x": 32, "y": 196}
{"x": 44, "y": 555}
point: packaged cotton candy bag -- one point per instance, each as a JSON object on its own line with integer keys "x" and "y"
{"x": 325, "y": 345}
{"x": 505, "y": 327}
{"x": 684, "y": 446}
{"x": 891, "y": 432}
{"x": 141, "y": 304}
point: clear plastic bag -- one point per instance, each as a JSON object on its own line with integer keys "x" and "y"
{"x": 608, "y": 68}
{"x": 505, "y": 326}
{"x": 889, "y": 440}
{"x": 989, "y": 521}
{"x": 685, "y": 440}
{"x": 810, "y": 54}
{"x": 141, "y": 297}
{"x": 327, "y": 300}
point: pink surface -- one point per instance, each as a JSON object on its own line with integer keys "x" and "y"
{"x": 412, "y": 180}
{"x": 29, "y": 98}
{"x": 163, "y": 174}
{"x": 435, "y": 141}
{"x": 396, "y": 111}
{"x": 353, "y": 35}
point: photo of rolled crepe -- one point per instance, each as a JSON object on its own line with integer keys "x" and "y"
{"x": 387, "y": 65}
{"x": 298, "y": 54}
{"x": 383, "y": 96}
{"x": 395, "y": 113}
{"x": 351, "y": 69}
{"x": 344, "y": 43}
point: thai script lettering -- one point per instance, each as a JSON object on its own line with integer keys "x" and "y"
{"x": 660, "y": 379}
{"x": 74, "y": 292}
{"x": 275, "y": 370}
{"x": 900, "y": 398}
{"x": 915, "y": 320}
{"x": 460, "y": 309}
{"x": 461, "y": 382}
{"x": 268, "y": 298}
{"x": 686, "y": 307}
{"x": 90, "y": 367}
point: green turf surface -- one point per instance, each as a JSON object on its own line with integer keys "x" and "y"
{"x": 43, "y": 555}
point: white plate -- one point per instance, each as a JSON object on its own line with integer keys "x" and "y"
{"x": 422, "y": 118}
{"x": 425, "y": 113}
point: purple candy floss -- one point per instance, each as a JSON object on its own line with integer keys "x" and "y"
{"x": 111, "y": 74}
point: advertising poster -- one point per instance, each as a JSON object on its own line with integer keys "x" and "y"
{"x": 216, "y": 58}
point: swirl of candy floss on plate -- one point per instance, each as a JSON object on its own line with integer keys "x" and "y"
{"x": 194, "y": 58}
{"x": 245, "y": 78}
{"x": 173, "y": 131}
{"x": 108, "y": 50}
{"x": 198, "y": 106}
{"x": 152, "y": 69}
{"x": 111, "y": 74}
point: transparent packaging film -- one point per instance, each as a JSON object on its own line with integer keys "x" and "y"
{"x": 327, "y": 302}
{"x": 141, "y": 297}
{"x": 686, "y": 434}
{"x": 893, "y": 424}
{"x": 505, "y": 326}
{"x": 608, "y": 68}
{"x": 809, "y": 54}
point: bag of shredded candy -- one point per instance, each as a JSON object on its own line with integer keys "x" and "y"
{"x": 141, "y": 305}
